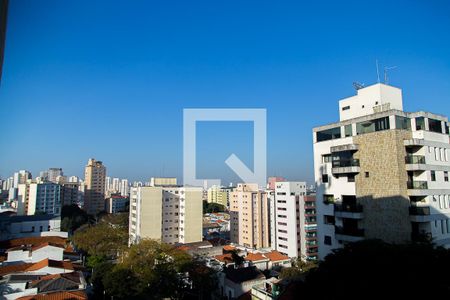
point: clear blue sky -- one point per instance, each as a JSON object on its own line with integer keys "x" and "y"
{"x": 109, "y": 79}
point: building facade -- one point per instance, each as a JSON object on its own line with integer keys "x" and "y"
{"x": 219, "y": 195}
{"x": 39, "y": 198}
{"x": 249, "y": 217}
{"x": 382, "y": 173}
{"x": 94, "y": 193}
{"x": 169, "y": 213}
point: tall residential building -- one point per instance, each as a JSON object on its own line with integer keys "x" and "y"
{"x": 382, "y": 173}
{"x": 124, "y": 187}
{"x": 294, "y": 226}
{"x": 70, "y": 193}
{"x": 249, "y": 217}
{"x": 21, "y": 177}
{"x": 166, "y": 212}
{"x": 108, "y": 184}
{"x": 219, "y": 195}
{"x": 34, "y": 198}
{"x": 53, "y": 173}
{"x": 94, "y": 180}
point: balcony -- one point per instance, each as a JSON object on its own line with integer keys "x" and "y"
{"x": 419, "y": 210}
{"x": 415, "y": 159}
{"x": 351, "y": 232}
{"x": 343, "y": 148}
{"x": 417, "y": 185}
{"x": 348, "y": 211}
{"x": 347, "y": 166}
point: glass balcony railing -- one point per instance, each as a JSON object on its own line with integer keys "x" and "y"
{"x": 351, "y": 208}
{"x": 349, "y": 231}
{"x": 343, "y": 163}
{"x": 417, "y": 185}
{"x": 419, "y": 211}
{"x": 415, "y": 159}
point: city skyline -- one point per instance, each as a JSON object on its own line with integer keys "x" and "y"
{"x": 117, "y": 75}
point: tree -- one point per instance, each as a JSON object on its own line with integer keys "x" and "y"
{"x": 73, "y": 218}
{"x": 121, "y": 283}
{"x": 299, "y": 269}
{"x": 213, "y": 207}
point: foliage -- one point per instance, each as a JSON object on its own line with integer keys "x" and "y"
{"x": 103, "y": 239}
{"x": 378, "y": 269}
{"x": 212, "y": 207}
{"x": 73, "y": 218}
{"x": 300, "y": 268}
{"x": 154, "y": 270}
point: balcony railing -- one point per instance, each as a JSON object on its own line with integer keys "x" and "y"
{"x": 343, "y": 163}
{"x": 349, "y": 231}
{"x": 415, "y": 159}
{"x": 419, "y": 211}
{"x": 351, "y": 208}
{"x": 417, "y": 185}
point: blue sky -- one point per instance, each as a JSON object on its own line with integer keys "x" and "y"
{"x": 110, "y": 79}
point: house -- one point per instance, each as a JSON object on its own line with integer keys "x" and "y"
{"x": 278, "y": 260}
{"x": 235, "y": 282}
{"x": 13, "y": 227}
{"x": 72, "y": 295}
{"x": 258, "y": 260}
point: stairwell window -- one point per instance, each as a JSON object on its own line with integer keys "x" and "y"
{"x": 433, "y": 175}
{"x": 445, "y": 176}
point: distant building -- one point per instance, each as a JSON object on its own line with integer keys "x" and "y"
{"x": 117, "y": 203}
{"x": 34, "y": 198}
{"x": 94, "y": 180}
{"x": 54, "y": 173}
{"x": 14, "y": 227}
{"x": 71, "y": 193}
{"x": 294, "y": 225}
{"x": 21, "y": 177}
{"x": 272, "y": 180}
{"x": 219, "y": 195}
{"x": 382, "y": 173}
{"x": 249, "y": 217}
{"x": 166, "y": 212}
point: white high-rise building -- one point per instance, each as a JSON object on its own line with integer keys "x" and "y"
{"x": 53, "y": 174}
{"x": 169, "y": 213}
{"x": 115, "y": 185}
{"x": 21, "y": 177}
{"x": 39, "y": 198}
{"x": 294, "y": 227}
{"x": 382, "y": 173}
{"x": 108, "y": 184}
{"x": 124, "y": 188}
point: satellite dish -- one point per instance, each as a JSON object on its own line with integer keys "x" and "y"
{"x": 357, "y": 85}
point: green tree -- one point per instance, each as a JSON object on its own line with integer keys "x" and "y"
{"x": 213, "y": 207}
{"x": 73, "y": 218}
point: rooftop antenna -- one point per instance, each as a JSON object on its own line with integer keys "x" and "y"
{"x": 378, "y": 71}
{"x": 386, "y": 69}
{"x": 357, "y": 85}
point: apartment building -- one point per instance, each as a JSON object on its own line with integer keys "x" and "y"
{"x": 294, "y": 226}
{"x": 381, "y": 172}
{"x": 167, "y": 212}
{"x": 42, "y": 197}
{"x": 219, "y": 195}
{"x": 249, "y": 217}
{"x": 94, "y": 193}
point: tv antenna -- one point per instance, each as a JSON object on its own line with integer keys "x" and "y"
{"x": 378, "y": 71}
{"x": 386, "y": 69}
{"x": 357, "y": 85}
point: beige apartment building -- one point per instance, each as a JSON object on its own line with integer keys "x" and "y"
{"x": 219, "y": 195}
{"x": 94, "y": 179}
{"x": 166, "y": 212}
{"x": 249, "y": 217}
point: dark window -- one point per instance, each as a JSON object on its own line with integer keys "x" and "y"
{"x": 324, "y": 178}
{"x": 346, "y": 108}
{"x": 402, "y": 123}
{"x": 348, "y": 130}
{"x": 372, "y": 125}
{"x": 435, "y": 125}
{"x": 420, "y": 123}
{"x": 329, "y": 134}
{"x": 328, "y": 220}
{"x": 351, "y": 178}
{"x": 433, "y": 175}
{"x": 446, "y": 176}
{"x": 327, "y": 240}
{"x": 367, "y": 174}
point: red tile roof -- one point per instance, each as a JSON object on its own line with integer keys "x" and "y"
{"x": 33, "y": 241}
{"x": 47, "y": 244}
{"x": 229, "y": 248}
{"x": 254, "y": 257}
{"x": 76, "y": 295}
{"x": 28, "y": 267}
{"x": 276, "y": 256}
{"x": 225, "y": 258}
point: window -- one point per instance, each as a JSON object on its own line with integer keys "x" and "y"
{"x": 351, "y": 178}
{"x": 346, "y": 107}
{"x": 420, "y": 123}
{"x": 325, "y": 178}
{"x": 435, "y": 125}
{"x": 446, "y": 176}
{"x": 402, "y": 123}
{"x": 326, "y": 158}
{"x": 367, "y": 174}
{"x": 327, "y": 240}
{"x": 328, "y": 220}
{"x": 328, "y": 199}
{"x": 329, "y": 134}
{"x": 348, "y": 130}
{"x": 372, "y": 125}
{"x": 433, "y": 175}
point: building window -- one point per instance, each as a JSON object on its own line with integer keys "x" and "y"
{"x": 326, "y": 158}
{"x": 420, "y": 123}
{"x": 328, "y": 220}
{"x": 328, "y": 199}
{"x": 367, "y": 174}
{"x": 372, "y": 125}
{"x": 329, "y": 134}
{"x": 446, "y": 176}
{"x": 435, "y": 125}
{"x": 327, "y": 240}
{"x": 402, "y": 123}
{"x": 346, "y": 107}
{"x": 351, "y": 178}
{"x": 433, "y": 175}
{"x": 325, "y": 178}
{"x": 348, "y": 130}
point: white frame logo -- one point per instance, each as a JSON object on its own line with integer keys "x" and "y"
{"x": 257, "y": 116}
